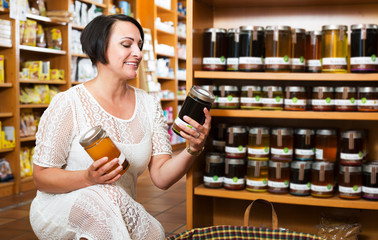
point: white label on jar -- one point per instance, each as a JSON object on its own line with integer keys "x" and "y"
{"x": 275, "y": 184}
{"x": 370, "y": 190}
{"x": 231, "y": 61}
{"x": 319, "y": 154}
{"x": 295, "y": 101}
{"x": 351, "y": 156}
{"x": 251, "y": 60}
{"x": 354, "y": 189}
{"x": 322, "y": 102}
{"x": 214, "y": 179}
{"x": 280, "y": 151}
{"x": 250, "y": 100}
{"x": 314, "y": 63}
{"x": 277, "y": 60}
{"x": 234, "y": 181}
{"x": 229, "y": 99}
{"x": 304, "y": 152}
{"x": 262, "y": 183}
{"x": 334, "y": 61}
{"x": 239, "y": 149}
{"x": 258, "y": 151}
{"x": 345, "y": 102}
{"x": 277, "y": 100}
{"x": 363, "y": 60}
{"x": 317, "y": 188}
{"x": 300, "y": 187}
{"x": 365, "y": 102}
{"x": 217, "y": 61}
{"x": 121, "y": 158}
{"x": 219, "y": 143}
{"x": 178, "y": 122}
{"x": 298, "y": 61}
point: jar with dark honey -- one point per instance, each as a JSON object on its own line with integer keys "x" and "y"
{"x": 352, "y": 147}
{"x": 277, "y": 49}
{"x": 298, "y": 41}
{"x": 313, "y": 53}
{"x": 218, "y": 133}
{"x": 252, "y": 49}
{"x": 257, "y": 176}
{"x": 235, "y": 171}
{"x": 304, "y": 144}
{"x": 278, "y": 177}
{"x": 272, "y": 98}
{"x": 350, "y": 182}
{"x": 370, "y": 181}
{"x": 214, "y": 49}
{"x": 258, "y": 144}
{"x": 345, "y": 99}
{"x": 323, "y": 99}
{"x": 300, "y": 178}
{"x": 214, "y": 170}
{"x": 367, "y": 99}
{"x": 281, "y": 143}
{"x": 326, "y": 145}
{"x": 250, "y": 97}
{"x": 334, "y": 49}
{"x": 296, "y": 99}
{"x": 229, "y": 97}
{"x": 232, "y": 49}
{"x": 236, "y": 142}
{"x": 322, "y": 179}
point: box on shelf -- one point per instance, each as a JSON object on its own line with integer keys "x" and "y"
{"x": 164, "y": 3}
{"x": 56, "y": 74}
{"x": 2, "y": 77}
{"x": 8, "y": 137}
{"x": 37, "y": 70}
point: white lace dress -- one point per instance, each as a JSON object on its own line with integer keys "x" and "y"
{"x": 100, "y": 211}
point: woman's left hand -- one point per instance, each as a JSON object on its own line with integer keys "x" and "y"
{"x": 198, "y": 134}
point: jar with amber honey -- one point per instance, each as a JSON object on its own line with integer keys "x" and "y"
{"x": 334, "y": 49}
{"x": 313, "y": 53}
{"x": 304, "y": 144}
{"x": 232, "y": 62}
{"x": 218, "y": 133}
{"x": 296, "y": 99}
{"x": 322, "y": 179}
{"x": 272, "y": 98}
{"x": 214, "y": 49}
{"x": 257, "y": 176}
{"x": 252, "y": 49}
{"x": 298, "y": 41}
{"x": 250, "y": 97}
{"x": 345, "y": 99}
{"x": 235, "y": 171}
{"x": 281, "y": 143}
{"x": 258, "y": 144}
{"x": 370, "y": 181}
{"x": 300, "y": 178}
{"x": 323, "y": 99}
{"x": 236, "y": 142}
{"x": 277, "y": 49}
{"x": 350, "y": 182}
{"x": 352, "y": 147}
{"x": 326, "y": 145}
{"x": 278, "y": 177}
{"x": 214, "y": 170}
{"x": 229, "y": 97}
{"x": 367, "y": 99}
{"x": 98, "y": 145}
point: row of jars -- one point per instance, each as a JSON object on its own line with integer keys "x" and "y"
{"x": 287, "y": 144}
{"x": 283, "y": 49}
{"x": 295, "y": 98}
{"x": 298, "y": 178}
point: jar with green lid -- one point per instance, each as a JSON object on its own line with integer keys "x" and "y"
{"x": 335, "y": 49}
{"x": 252, "y": 49}
{"x": 322, "y": 179}
{"x": 214, "y": 170}
{"x": 250, "y": 97}
{"x": 278, "y": 49}
{"x": 323, "y": 99}
{"x": 300, "y": 178}
{"x": 296, "y": 98}
{"x": 229, "y": 97}
{"x": 214, "y": 49}
{"x": 313, "y": 53}
{"x": 298, "y": 50}
{"x": 257, "y": 176}
{"x": 282, "y": 144}
{"x": 236, "y": 142}
{"x": 272, "y": 98}
{"x": 304, "y": 144}
{"x": 367, "y": 99}
{"x": 232, "y": 62}
{"x": 259, "y": 144}
{"x": 345, "y": 99}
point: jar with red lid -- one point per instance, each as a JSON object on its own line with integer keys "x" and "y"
{"x": 322, "y": 99}
{"x": 352, "y": 150}
{"x": 214, "y": 49}
{"x": 278, "y": 177}
{"x": 367, "y": 99}
{"x": 235, "y": 171}
{"x": 281, "y": 143}
{"x": 345, "y": 99}
{"x": 236, "y": 142}
{"x": 350, "y": 182}
{"x": 296, "y": 99}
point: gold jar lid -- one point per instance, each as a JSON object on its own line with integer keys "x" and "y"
{"x": 91, "y": 136}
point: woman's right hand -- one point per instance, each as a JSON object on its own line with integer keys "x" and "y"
{"x": 97, "y": 172}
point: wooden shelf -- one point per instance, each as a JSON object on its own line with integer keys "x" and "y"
{"x": 45, "y": 19}
{"x": 6, "y": 114}
{"x": 5, "y": 85}
{"x": 3, "y": 45}
{"x": 42, "y": 50}
{"x": 5, "y": 150}
{"x": 161, "y": 31}
{"x": 42, "y": 81}
{"x": 27, "y": 183}
{"x": 165, "y": 78}
{"x": 42, "y": 105}
{"x": 161, "y": 9}
{"x": 181, "y": 16}
{"x": 277, "y": 3}
{"x": 167, "y": 99}
{"x": 95, "y": 3}
{"x": 165, "y": 55}
{"x": 27, "y": 139}
{"x": 81, "y": 28}
{"x": 76, "y": 83}
{"x": 335, "y": 201}
{"x": 82, "y": 55}
{"x": 6, "y": 188}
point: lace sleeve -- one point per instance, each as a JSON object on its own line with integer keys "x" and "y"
{"x": 160, "y": 135}
{"x": 55, "y": 130}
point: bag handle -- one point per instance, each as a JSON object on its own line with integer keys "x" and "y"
{"x": 274, "y": 214}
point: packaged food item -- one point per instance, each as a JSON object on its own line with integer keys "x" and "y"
{"x": 313, "y": 51}
{"x": 278, "y": 49}
{"x": 258, "y": 144}
{"x": 214, "y": 170}
{"x": 235, "y": 170}
{"x": 257, "y": 176}
{"x": 252, "y": 49}
{"x": 322, "y": 179}
{"x": 279, "y": 177}
{"x": 272, "y": 98}
{"x": 54, "y": 38}
{"x": 2, "y": 72}
{"x": 367, "y": 99}
{"x": 282, "y": 143}
{"x": 30, "y": 33}
{"x": 41, "y": 42}
{"x": 43, "y": 92}
{"x": 236, "y": 142}
{"x": 350, "y": 182}
{"x": 300, "y": 178}
{"x": 6, "y": 174}
{"x": 334, "y": 48}
{"x": 214, "y": 49}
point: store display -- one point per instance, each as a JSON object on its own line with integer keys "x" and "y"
{"x": 277, "y": 48}
{"x": 2, "y": 71}
{"x": 370, "y": 181}
{"x": 236, "y": 142}
{"x": 352, "y": 147}
{"x": 229, "y": 97}
{"x": 278, "y": 177}
{"x": 282, "y": 143}
{"x": 323, "y": 99}
{"x": 250, "y": 97}
{"x": 298, "y": 41}
{"x": 345, "y": 99}
{"x": 322, "y": 179}
{"x": 300, "y": 178}
{"x": 313, "y": 51}
{"x": 272, "y": 98}
{"x": 257, "y": 176}
{"x": 6, "y": 174}
{"x": 326, "y": 145}
{"x": 367, "y": 99}
{"x": 304, "y": 144}
{"x": 214, "y": 170}
{"x": 296, "y": 98}
{"x": 258, "y": 144}
{"x": 334, "y": 49}
{"x": 26, "y": 161}
{"x": 350, "y": 182}
{"x": 219, "y": 137}
{"x": 235, "y": 170}
{"x": 232, "y": 62}
{"x": 252, "y": 49}
{"x": 214, "y": 49}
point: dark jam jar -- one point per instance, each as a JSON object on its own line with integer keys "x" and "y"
{"x": 277, "y": 49}
{"x": 296, "y": 99}
{"x": 300, "y": 178}
{"x": 367, "y": 99}
{"x": 232, "y": 49}
{"x": 322, "y": 179}
{"x": 281, "y": 144}
{"x": 250, "y": 97}
{"x": 323, "y": 99}
{"x": 218, "y": 133}
{"x": 193, "y": 106}
{"x": 252, "y": 47}
{"x": 236, "y": 142}
{"x": 257, "y": 176}
{"x": 279, "y": 177}
{"x": 326, "y": 145}
{"x": 235, "y": 171}
{"x": 258, "y": 144}
{"x": 345, "y": 99}
{"x": 313, "y": 53}
{"x": 214, "y": 49}
{"x": 364, "y": 48}
{"x": 229, "y": 97}
{"x": 352, "y": 147}
{"x": 350, "y": 182}
{"x": 370, "y": 181}
{"x": 298, "y": 41}
{"x": 304, "y": 144}
{"x": 214, "y": 170}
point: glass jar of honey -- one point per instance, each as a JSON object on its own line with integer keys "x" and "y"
{"x": 296, "y": 99}
{"x": 282, "y": 142}
{"x": 257, "y": 176}
{"x": 250, "y": 97}
{"x": 258, "y": 144}
{"x": 364, "y": 48}
{"x": 322, "y": 179}
{"x": 214, "y": 49}
{"x": 236, "y": 142}
{"x": 298, "y": 40}
{"x": 352, "y": 147}
{"x": 300, "y": 178}
{"x": 277, "y": 49}
{"x": 345, "y": 99}
{"x": 369, "y": 181}
{"x": 252, "y": 46}
{"x": 272, "y": 98}
{"x": 214, "y": 170}
{"x": 218, "y": 133}
{"x": 232, "y": 63}
{"x": 334, "y": 49}
{"x": 326, "y": 145}
{"x": 323, "y": 99}
{"x": 350, "y": 182}
{"x": 229, "y": 97}
{"x": 367, "y": 99}
{"x": 278, "y": 177}
{"x": 304, "y": 144}
{"x": 235, "y": 171}
{"x": 313, "y": 53}
{"x": 98, "y": 145}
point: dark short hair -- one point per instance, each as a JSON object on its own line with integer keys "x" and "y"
{"x": 95, "y": 36}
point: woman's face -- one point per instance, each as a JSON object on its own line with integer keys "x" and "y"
{"x": 123, "y": 53}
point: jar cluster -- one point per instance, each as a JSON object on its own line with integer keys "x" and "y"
{"x": 317, "y": 162}
{"x": 286, "y": 49}
{"x": 295, "y": 98}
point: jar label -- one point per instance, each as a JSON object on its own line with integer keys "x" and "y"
{"x": 178, "y": 121}
{"x": 314, "y": 63}
{"x": 296, "y": 101}
{"x": 346, "y": 102}
{"x": 334, "y": 61}
{"x": 298, "y": 61}
{"x": 217, "y": 61}
{"x": 366, "y": 102}
{"x": 232, "y": 61}
{"x": 228, "y": 99}
{"x": 354, "y": 189}
{"x": 277, "y": 60}
{"x": 318, "y": 188}
{"x": 250, "y": 99}
{"x": 370, "y": 190}
{"x": 254, "y": 183}
{"x": 319, "y": 154}
{"x": 351, "y": 156}
{"x": 322, "y": 102}
{"x": 363, "y": 60}
{"x": 251, "y": 60}
{"x": 280, "y": 151}
{"x": 275, "y": 184}
{"x": 213, "y": 179}
{"x": 233, "y": 181}
{"x": 276, "y": 100}
{"x": 309, "y": 152}
{"x": 257, "y": 151}
{"x": 219, "y": 143}
{"x": 300, "y": 187}
{"x": 239, "y": 149}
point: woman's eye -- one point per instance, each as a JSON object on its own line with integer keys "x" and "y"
{"x": 126, "y": 45}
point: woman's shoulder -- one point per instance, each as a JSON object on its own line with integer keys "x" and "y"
{"x": 145, "y": 96}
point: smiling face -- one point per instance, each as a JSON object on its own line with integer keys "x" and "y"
{"x": 123, "y": 52}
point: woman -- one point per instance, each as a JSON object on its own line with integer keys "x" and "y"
{"x": 76, "y": 198}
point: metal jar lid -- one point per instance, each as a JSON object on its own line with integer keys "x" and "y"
{"x": 233, "y": 30}
{"x": 304, "y": 131}
{"x": 298, "y": 30}
{"x": 326, "y": 132}
{"x": 328, "y": 166}
{"x": 254, "y": 88}
{"x": 296, "y": 89}
{"x": 275, "y": 164}
{"x": 209, "y": 88}
{"x": 280, "y": 28}
{"x": 335, "y": 27}
{"x": 298, "y": 164}
{"x": 91, "y": 136}
{"x": 228, "y": 88}
{"x": 352, "y": 133}
{"x": 324, "y": 89}
{"x": 216, "y": 30}
{"x": 255, "y": 163}
{"x": 370, "y": 166}
{"x": 342, "y": 89}
{"x": 273, "y": 88}
{"x": 364, "y": 26}
{"x": 255, "y": 130}
{"x": 284, "y": 131}
{"x": 251, "y": 28}
{"x": 214, "y": 157}
{"x": 202, "y": 94}
{"x": 352, "y": 169}
{"x": 368, "y": 89}
{"x": 235, "y": 161}
{"x": 316, "y": 33}
{"x": 237, "y": 129}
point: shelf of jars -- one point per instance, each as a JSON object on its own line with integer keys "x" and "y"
{"x": 6, "y": 114}
{"x": 40, "y": 105}
{"x": 42, "y": 50}
{"x": 42, "y": 81}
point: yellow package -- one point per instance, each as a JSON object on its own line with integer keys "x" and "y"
{"x": 38, "y": 69}
{"x": 8, "y": 137}
{"x": 24, "y": 161}
{"x": 24, "y": 97}
{"x": 1, "y": 142}
{"x": 53, "y": 91}
{"x": 43, "y": 92}
{"x": 32, "y": 94}
{"x": 2, "y": 77}
{"x": 54, "y": 38}
{"x": 30, "y": 33}
{"x": 56, "y": 74}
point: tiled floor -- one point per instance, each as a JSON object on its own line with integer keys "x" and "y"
{"x": 168, "y": 207}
